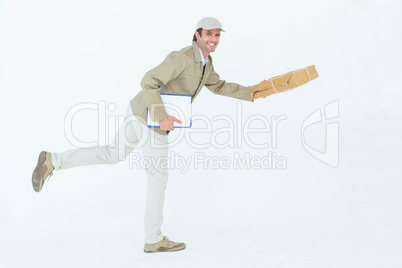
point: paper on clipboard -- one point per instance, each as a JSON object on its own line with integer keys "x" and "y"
{"x": 176, "y": 105}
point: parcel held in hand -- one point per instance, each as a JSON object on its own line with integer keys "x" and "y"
{"x": 283, "y": 82}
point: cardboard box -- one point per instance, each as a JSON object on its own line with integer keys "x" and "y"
{"x": 283, "y": 82}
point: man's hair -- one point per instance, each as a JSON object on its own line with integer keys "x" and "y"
{"x": 199, "y": 30}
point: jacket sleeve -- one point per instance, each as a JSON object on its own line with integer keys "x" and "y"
{"x": 224, "y": 88}
{"x": 153, "y": 81}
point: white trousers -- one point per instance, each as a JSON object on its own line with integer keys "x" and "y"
{"x": 130, "y": 135}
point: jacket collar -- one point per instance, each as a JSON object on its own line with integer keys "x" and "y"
{"x": 196, "y": 51}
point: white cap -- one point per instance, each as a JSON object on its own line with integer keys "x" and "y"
{"x": 209, "y": 23}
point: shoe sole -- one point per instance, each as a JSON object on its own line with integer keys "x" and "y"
{"x": 37, "y": 180}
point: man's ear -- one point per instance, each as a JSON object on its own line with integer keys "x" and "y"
{"x": 197, "y": 35}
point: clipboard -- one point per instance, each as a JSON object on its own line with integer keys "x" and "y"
{"x": 176, "y": 105}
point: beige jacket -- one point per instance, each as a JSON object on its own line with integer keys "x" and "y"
{"x": 181, "y": 73}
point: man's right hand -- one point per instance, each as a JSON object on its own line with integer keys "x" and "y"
{"x": 167, "y": 123}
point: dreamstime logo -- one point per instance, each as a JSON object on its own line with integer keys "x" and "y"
{"x": 331, "y": 154}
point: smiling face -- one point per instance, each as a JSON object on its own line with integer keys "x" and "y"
{"x": 208, "y": 41}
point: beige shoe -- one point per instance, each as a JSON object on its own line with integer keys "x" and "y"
{"x": 164, "y": 245}
{"x": 43, "y": 170}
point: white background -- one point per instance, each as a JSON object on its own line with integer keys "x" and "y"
{"x": 57, "y": 54}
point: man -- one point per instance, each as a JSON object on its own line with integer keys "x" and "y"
{"x": 182, "y": 72}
